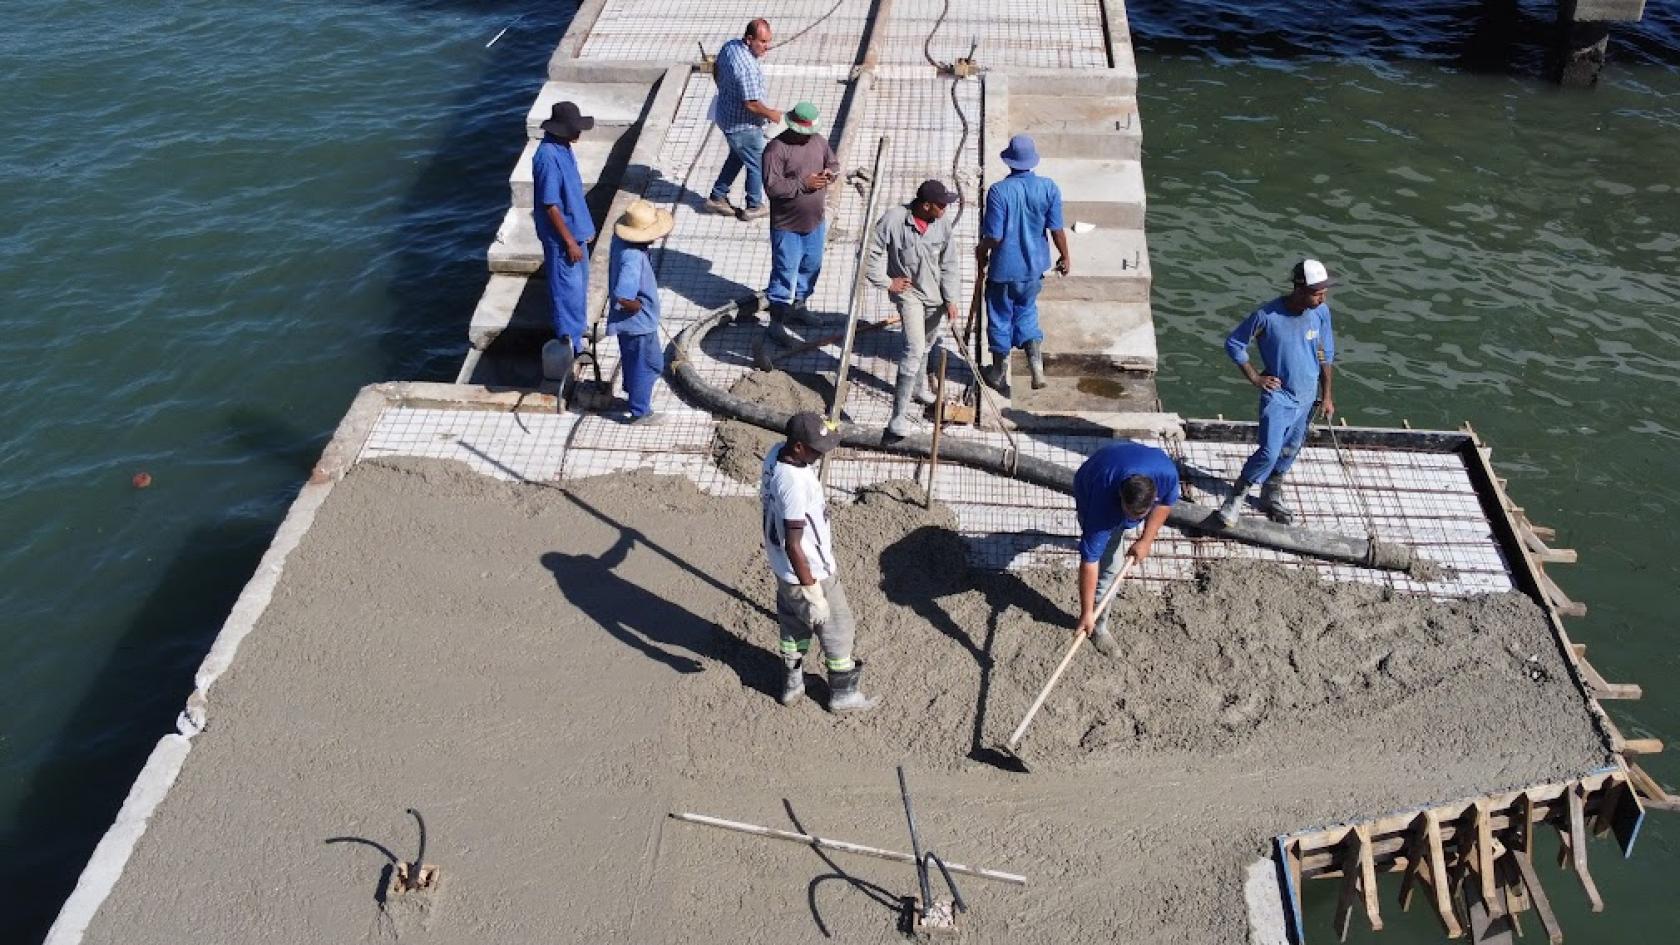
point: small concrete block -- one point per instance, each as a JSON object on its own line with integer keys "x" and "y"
{"x": 613, "y": 104}
{"x": 1609, "y": 11}
{"x": 1102, "y": 126}
{"x": 1098, "y": 336}
{"x": 592, "y": 155}
{"x": 516, "y": 248}
{"x": 495, "y": 308}
{"x": 1109, "y": 265}
{"x": 1108, "y": 193}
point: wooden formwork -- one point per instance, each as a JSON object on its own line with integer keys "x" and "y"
{"x": 1472, "y": 859}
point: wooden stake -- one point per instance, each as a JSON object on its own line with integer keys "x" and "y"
{"x": 1439, "y": 884}
{"x": 841, "y": 846}
{"x": 1483, "y": 841}
{"x": 1359, "y": 882}
{"x": 1578, "y": 845}
{"x": 1537, "y": 895}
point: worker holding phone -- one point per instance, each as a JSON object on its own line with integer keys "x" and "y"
{"x": 799, "y": 166}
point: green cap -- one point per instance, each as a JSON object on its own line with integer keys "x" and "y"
{"x": 803, "y": 119}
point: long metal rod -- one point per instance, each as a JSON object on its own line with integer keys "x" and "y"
{"x": 1078, "y": 638}
{"x": 842, "y": 374}
{"x": 915, "y": 843}
{"x": 841, "y": 846}
{"x": 938, "y": 424}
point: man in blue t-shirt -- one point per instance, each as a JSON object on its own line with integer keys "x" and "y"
{"x": 1120, "y": 486}
{"x": 1013, "y": 255}
{"x": 564, "y": 227}
{"x": 1299, "y": 348}
{"x": 633, "y": 315}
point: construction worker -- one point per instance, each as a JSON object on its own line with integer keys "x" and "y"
{"x": 809, "y": 597}
{"x": 1299, "y": 347}
{"x": 564, "y": 227}
{"x": 798, "y": 167}
{"x": 1014, "y": 255}
{"x": 913, "y": 256}
{"x": 634, "y": 314}
{"x": 1121, "y": 485}
{"x": 741, "y": 115}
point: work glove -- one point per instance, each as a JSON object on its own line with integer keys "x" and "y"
{"x": 812, "y": 604}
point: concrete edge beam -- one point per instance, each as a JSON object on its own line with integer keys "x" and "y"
{"x": 495, "y": 308}
{"x": 1074, "y": 81}
{"x": 1603, "y": 11}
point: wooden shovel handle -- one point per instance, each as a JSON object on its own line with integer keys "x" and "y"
{"x": 1078, "y": 638}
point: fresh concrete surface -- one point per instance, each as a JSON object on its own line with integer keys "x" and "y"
{"x": 611, "y": 103}
{"x": 1098, "y": 336}
{"x": 1109, "y": 265}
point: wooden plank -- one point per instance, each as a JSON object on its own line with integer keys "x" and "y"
{"x": 1482, "y": 843}
{"x": 1640, "y": 746}
{"x": 1610, "y": 799}
{"x": 1486, "y": 927}
{"x": 1537, "y": 896}
{"x": 1417, "y": 859}
{"x": 1440, "y": 887}
{"x": 1598, "y": 688}
{"x": 1578, "y": 847}
{"x": 1368, "y": 879}
{"x": 1652, "y": 794}
{"x": 1289, "y": 859}
{"x": 1342, "y": 920}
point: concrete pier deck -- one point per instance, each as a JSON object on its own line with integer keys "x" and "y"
{"x": 258, "y": 819}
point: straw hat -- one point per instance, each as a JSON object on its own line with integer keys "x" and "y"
{"x": 642, "y": 222}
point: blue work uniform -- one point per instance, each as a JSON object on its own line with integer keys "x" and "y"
{"x": 1021, "y": 210}
{"x": 1096, "y": 499}
{"x": 1295, "y": 347}
{"x": 640, "y": 353}
{"x": 554, "y": 174}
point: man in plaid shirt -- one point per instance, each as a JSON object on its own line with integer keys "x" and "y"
{"x": 741, "y": 116}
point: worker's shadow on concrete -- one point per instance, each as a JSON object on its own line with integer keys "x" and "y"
{"x": 640, "y": 620}
{"x": 931, "y": 563}
{"x": 881, "y": 896}
{"x": 694, "y": 278}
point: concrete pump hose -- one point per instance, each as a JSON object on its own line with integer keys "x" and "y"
{"x": 1185, "y": 516}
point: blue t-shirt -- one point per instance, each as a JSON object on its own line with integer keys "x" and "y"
{"x": 632, "y": 278}
{"x": 1020, "y": 209}
{"x": 1096, "y": 491}
{"x": 554, "y": 174}
{"x": 1293, "y": 346}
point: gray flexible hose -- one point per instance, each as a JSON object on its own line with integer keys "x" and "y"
{"x": 1185, "y": 516}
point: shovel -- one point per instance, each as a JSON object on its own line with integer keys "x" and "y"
{"x": 1009, "y": 749}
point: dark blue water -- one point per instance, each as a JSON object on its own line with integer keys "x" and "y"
{"x": 224, "y": 218}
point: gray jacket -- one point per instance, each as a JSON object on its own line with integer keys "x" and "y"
{"x": 928, "y": 259}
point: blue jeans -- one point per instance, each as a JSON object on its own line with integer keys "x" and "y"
{"x": 642, "y": 358}
{"x": 1012, "y": 314}
{"x": 568, "y": 292}
{"x": 1283, "y": 428}
{"x": 795, "y": 263}
{"x": 746, "y": 149}
{"x": 1108, "y": 569}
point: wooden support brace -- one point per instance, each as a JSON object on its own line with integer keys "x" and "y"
{"x": 1609, "y": 798}
{"x": 1482, "y": 839}
{"x": 1417, "y": 862}
{"x": 1578, "y": 845}
{"x": 1542, "y": 532}
{"x": 1640, "y": 746}
{"x": 1561, "y": 601}
{"x": 1654, "y": 795}
{"x": 1598, "y": 688}
{"x": 1537, "y": 895}
{"x": 1510, "y": 882}
{"x": 1439, "y": 885}
{"x": 1359, "y": 882}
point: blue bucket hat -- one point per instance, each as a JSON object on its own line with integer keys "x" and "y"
{"x": 1022, "y": 153}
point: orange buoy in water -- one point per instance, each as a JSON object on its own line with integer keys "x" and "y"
{"x": 142, "y": 480}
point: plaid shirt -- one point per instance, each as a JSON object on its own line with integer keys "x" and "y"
{"x": 739, "y": 81}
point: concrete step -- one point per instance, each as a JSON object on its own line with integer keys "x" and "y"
{"x": 1093, "y": 405}
{"x": 516, "y": 248}
{"x": 1108, "y": 193}
{"x": 1109, "y": 265}
{"x": 593, "y": 154}
{"x": 1097, "y": 337}
{"x": 613, "y": 104}
{"x": 512, "y": 302}
{"x": 1080, "y": 126}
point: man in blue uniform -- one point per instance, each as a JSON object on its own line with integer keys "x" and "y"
{"x": 565, "y": 228}
{"x": 1299, "y": 348}
{"x": 741, "y": 115}
{"x": 1014, "y": 254}
{"x": 634, "y": 314}
{"x": 1120, "y": 486}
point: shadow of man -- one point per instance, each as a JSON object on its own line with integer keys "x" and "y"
{"x": 639, "y": 619}
{"x": 931, "y": 563}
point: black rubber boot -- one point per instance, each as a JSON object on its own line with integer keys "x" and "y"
{"x": 1035, "y": 363}
{"x": 793, "y": 684}
{"x": 1231, "y": 510}
{"x": 843, "y": 693}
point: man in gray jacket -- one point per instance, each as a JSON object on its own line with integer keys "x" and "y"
{"x": 914, "y": 258}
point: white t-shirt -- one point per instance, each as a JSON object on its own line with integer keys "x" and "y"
{"x": 792, "y": 493}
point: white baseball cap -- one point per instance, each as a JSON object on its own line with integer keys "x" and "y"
{"x": 1311, "y": 273}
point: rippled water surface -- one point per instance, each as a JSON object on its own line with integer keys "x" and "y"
{"x": 224, "y": 218}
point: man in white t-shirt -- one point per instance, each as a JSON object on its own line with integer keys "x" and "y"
{"x": 809, "y": 597}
